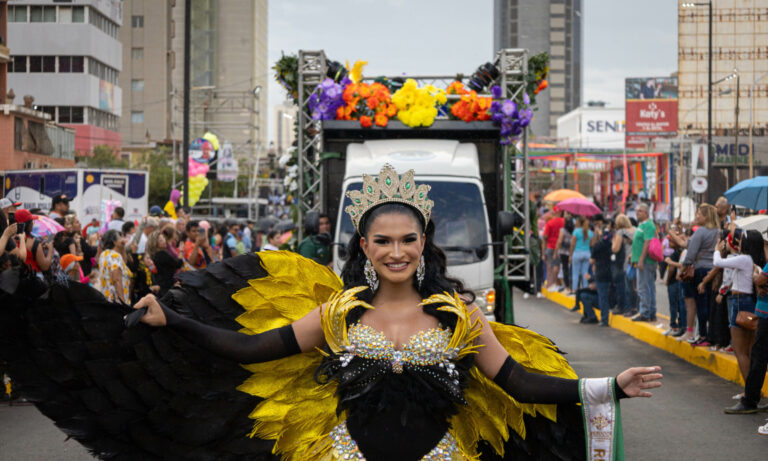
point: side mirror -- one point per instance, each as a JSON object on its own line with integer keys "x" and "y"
{"x": 505, "y": 223}
{"x": 312, "y": 223}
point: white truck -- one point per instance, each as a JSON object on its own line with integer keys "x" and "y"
{"x": 87, "y": 187}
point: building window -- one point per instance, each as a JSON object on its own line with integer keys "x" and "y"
{"x": 78, "y": 14}
{"x": 49, "y": 64}
{"x": 71, "y": 114}
{"x": 35, "y": 63}
{"x": 17, "y": 13}
{"x": 42, "y": 14}
{"x": 102, "y": 119}
{"x": 102, "y": 23}
{"x": 19, "y": 64}
{"x": 18, "y": 133}
{"x": 70, "y": 64}
{"x": 137, "y": 85}
{"x": 50, "y": 110}
{"x": 137, "y": 53}
{"x": 137, "y": 117}
{"x": 102, "y": 71}
{"x": 137, "y": 22}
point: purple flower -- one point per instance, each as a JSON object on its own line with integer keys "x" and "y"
{"x": 526, "y": 99}
{"x": 508, "y": 108}
{"x": 496, "y": 92}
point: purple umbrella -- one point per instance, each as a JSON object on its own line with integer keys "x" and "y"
{"x": 45, "y": 226}
{"x": 578, "y": 206}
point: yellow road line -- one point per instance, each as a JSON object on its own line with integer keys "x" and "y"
{"x": 722, "y": 364}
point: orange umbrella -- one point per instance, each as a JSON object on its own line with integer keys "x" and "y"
{"x": 562, "y": 194}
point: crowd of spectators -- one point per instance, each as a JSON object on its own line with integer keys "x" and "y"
{"x": 712, "y": 271}
{"x": 126, "y": 260}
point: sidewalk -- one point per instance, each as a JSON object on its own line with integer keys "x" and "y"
{"x": 722, "y": 364}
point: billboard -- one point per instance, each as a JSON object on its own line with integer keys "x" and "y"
{"x": 651, "y": 109}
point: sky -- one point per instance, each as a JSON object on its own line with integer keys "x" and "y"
{"x": 448, "y": 36}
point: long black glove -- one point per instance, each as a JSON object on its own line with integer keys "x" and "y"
{"x": 526, "y": 387}
{"x": 269, "y": 345}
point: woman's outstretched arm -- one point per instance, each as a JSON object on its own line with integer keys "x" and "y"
{"x": 303, "y": 335}
{"x": 526, "y": 387}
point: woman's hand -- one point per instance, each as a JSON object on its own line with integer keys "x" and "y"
{"x": 155, "y": 316}
{"x": 702, "y": 288}
{"x": 11, "y": 230}
{"x": 635, "y": 381}
{"x": 720, "y": 246}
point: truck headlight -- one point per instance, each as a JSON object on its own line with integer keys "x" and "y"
{"x": 486, "y": 300}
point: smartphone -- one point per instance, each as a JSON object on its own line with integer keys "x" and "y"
{"x": 11, "y": 218}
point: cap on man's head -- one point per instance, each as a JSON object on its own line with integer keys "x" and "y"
{"x": 156, "y": 211}
{"x": 68, "y": 261}
{"x": 23, "y": 216}
{"x": 5, "y": 202}
{"x": 61, "y": 198}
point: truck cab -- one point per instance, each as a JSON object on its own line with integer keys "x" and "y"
{"x": 460, "y": 215}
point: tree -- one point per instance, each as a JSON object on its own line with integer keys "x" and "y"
{"x": 103, "y": 157}
{"x": 158, "y": 163}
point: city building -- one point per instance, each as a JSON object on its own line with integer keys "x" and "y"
{"x": 147, "y": 63}
{"x": 228, "y": 53}
{"x": 739, "y": 39}
{"x": 67, "y": 57}
{"x": 553, "y": 26}
{"x": 592, "y": 127}
{"x": 28, "y": 139}
{"x": 284, "y": 135}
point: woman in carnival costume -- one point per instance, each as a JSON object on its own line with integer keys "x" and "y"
{"x": 393, "y": 361}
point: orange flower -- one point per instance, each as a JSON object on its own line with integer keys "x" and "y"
{"x": 381, "y": 119}
{"x": 365, "y": 121}
{"x": 391, "y": 110}
{"x": 364, "y": 91}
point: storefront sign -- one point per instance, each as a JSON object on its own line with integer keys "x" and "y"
{"x": 651, "y": 109}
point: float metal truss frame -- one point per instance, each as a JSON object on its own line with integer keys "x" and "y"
{"x": 513, "y": 67}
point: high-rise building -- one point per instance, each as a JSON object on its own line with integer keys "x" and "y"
{"x": 739, "y": 39}
{"x": 68, "y": 57}
{"x": 146, "y": 75}
{"x": 284, "y": 116}
{"x": 229, "y": 72}
{"x": 553, "y": 26}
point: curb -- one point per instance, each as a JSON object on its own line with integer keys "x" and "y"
{"x": 722, "y": 364}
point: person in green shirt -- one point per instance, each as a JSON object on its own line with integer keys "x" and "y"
{"x": 646, "y": 266}
{"x": 317, "y": 247}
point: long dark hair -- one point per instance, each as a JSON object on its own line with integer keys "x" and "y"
{"x": 435, "y": 278}
{"x": 752, "y": 245}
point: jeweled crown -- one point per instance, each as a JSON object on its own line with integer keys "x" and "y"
{"x": 387, "y": 188}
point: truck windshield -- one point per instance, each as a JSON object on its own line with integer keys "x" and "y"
{"x": 458, "y": 215}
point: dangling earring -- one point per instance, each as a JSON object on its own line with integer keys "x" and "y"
{"x": 371, "y": 276}
{"x": 420, "y": 271}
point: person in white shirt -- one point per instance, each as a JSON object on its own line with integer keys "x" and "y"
{"x": 273, "y": 241}
{"x": 117, "y": 220}
{"x": 747, "y": 253}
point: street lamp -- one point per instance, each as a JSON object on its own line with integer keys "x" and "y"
{"x": 709, "y": 71}
{"x": 731, "y": 76}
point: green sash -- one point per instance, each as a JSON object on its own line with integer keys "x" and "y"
{"x": 602, "y": 420}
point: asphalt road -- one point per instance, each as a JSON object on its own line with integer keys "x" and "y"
{"x": 683, "y": 420}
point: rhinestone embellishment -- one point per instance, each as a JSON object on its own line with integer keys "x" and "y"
{"x": 345, "y": 447}
{"x": 425, "y": 348}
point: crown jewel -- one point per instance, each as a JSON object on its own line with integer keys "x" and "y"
{"x": 389, "y": 187}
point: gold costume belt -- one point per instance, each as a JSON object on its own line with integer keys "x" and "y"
{"x": 344, "y": 447}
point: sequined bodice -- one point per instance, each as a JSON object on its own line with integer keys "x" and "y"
{"x": 428, "y": 347}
